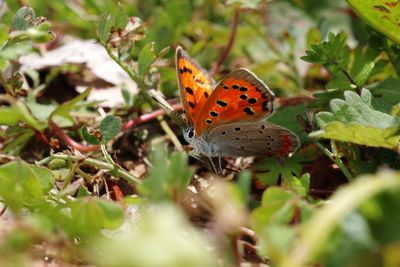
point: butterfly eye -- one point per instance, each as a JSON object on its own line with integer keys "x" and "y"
{"x": 190, "y": 134}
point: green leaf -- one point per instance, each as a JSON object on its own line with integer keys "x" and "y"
{"x": 90, "y": 215}
{"x": 388, "y": 90}
{"x": 300, "y": 185}
{"x": 105, "y": 25}
{"x": 3, "y": 35}
{"x": 316, "y": 232}
{"x": 269, "y": 169}
{"x": 110, "y": 127}
{"x": 359, "y": 134}
{"x": 24, "y": 19}
{"x": 64, "y": 109}
{"x": 277, "y": 207}
{"x": 253, "y": 4}
{"x": 243, "y": 184}
{"x": 20, "y": 184}
{"x": 45, "y": 177}
{"x": 159, "y": 227}
{"x": 13, "y": 51}
{"x": 355, "y": 120}
{"x": 334, "y": 54}
{"x": 18, "y": 113}
{"x": 40, "y": 36}
{"x": 120, "y": 18}
{"x": 91, "y": 138}
{"x": 112, "y": 213}
{"x": 169, "y": 175}
{"x": 9, "y": 116}
{"x": 382, "y": 16}
{"x": 146, "y": 58}
{"x": 363, "y": 65}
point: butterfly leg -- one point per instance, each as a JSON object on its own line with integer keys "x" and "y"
{"x": 213, "y": 167}
{"x": 194, "y": 153}
{"x": 219, "y": 164}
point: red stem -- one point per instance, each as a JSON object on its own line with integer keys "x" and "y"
{"x": 132, "y": 123}
{"x": 228, "y": 47}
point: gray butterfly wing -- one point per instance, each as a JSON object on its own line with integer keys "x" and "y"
{"x": 253, "y": 139}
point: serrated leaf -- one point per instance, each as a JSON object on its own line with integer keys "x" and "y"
{"x": 355, "y": 120}
{"x": 110, "y": 127}
{"x": 146, "y": 58}
{"x": 269, "y": 169}
{"x": 359, "y": 134}
{"x": 333, "y": 54}
{"x": 381, "y": 16}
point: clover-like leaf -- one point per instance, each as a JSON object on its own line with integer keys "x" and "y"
{"x": 24, "y": 18}
{"x": 110, "y": 127}
{"x": 92, "y": 137}
{"x": 355, "y": 120}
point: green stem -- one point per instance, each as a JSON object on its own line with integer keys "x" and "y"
{"x": 318, "y": 229}
{"x": 71, "y": 173}
{"x": 107, "y": 156}
{"x": 86, "y": 176}
{"x": 115, "y": 169}
{"x": 335, "y": 157}
{"x": 164, "y": 125}
{"x": 128, "y": 70}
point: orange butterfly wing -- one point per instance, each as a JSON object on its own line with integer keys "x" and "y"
{"x": 240, "y": 96}
{"x": 195, "y": 85}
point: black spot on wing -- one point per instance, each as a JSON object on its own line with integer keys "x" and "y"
{"x": 213, "y": 113}
{"x": 221, "y": 103}
{"x": 248, "y": 111}
{"x": 252, "y": 100}
{"x": 189, "y": 90}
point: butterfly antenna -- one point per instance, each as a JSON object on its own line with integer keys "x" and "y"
{"x": 164, "y": 105}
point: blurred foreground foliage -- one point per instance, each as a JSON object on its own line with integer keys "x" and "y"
{"x": 88, "y": 183}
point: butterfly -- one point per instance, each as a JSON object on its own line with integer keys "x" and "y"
{"x": 226, "y": 119}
